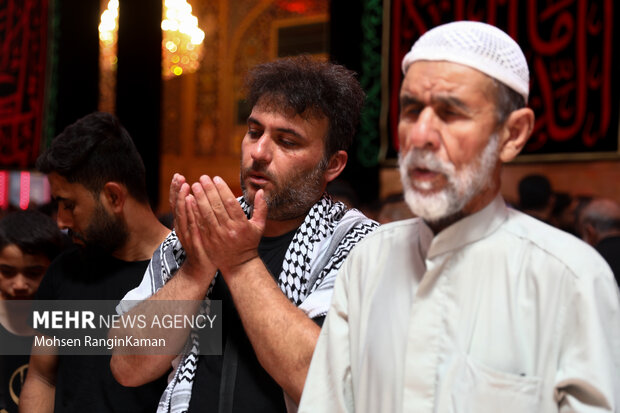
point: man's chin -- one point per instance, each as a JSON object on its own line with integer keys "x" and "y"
{"x": 248, "y": 195}
{"x": 431, "y": 205}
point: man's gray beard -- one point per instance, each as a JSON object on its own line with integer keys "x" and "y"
{"x": 461, "y": 188}
{"x": 294, "y": 196}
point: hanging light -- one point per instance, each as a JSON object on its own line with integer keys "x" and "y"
{"x": 108, "y": 27}
{"x": 108, "y": 57}
{"x": 182, "y": 39}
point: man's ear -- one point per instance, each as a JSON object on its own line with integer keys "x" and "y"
{"x": 515, "y": 132}
{"x": 114, "y": 195}
{"x": 589, "y": 234}
{"x": 336, "y": 164}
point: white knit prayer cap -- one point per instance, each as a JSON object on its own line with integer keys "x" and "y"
{"x": 478, "y": 45}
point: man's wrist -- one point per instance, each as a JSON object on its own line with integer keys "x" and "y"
{"x": 196, "y": 273}
{"x": 242, "y": 266}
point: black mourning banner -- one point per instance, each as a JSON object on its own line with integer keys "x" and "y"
{"x": 569, "y": 46}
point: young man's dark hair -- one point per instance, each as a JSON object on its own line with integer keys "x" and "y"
{"x": 94, "y": 150}
{"x": 301, "y": 84}
{"x": 33, "y": 232}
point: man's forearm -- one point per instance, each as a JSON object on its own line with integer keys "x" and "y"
{"x": 37, "y": 396}
{"x": 180, "y": 296}
{"x": 282, "y": 335}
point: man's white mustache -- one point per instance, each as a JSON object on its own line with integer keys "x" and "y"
{"x": 417, "y": 159}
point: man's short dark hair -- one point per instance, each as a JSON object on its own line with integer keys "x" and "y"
{"x": 94, "y": 150}
{"x": 301, "y": 84}
{"x": 32, "y": 232}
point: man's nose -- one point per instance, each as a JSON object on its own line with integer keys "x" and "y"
{"x": 262, "y": 149}
{"x": 421, "y": 132}
{"x": 64, "y": 219}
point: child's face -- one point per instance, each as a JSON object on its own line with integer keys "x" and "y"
{"x": 20, "y": 274}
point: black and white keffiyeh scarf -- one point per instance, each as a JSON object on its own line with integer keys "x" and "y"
{"x": 318, "y": 249}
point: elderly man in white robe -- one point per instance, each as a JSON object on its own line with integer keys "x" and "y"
{"x": 472, "y": 307}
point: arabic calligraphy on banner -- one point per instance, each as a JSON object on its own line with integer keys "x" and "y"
{"x": 23, "y": 48}
{"x": 569, "y": 48}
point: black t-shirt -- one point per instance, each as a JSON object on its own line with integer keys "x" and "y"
{"x": 254, "y": 390}
{"x": 13, "y": 369}
{"x": 85, "y": 383}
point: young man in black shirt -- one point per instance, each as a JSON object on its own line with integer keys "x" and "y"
{"x": 98, "y": 179}
{"x": 276, "y": 250}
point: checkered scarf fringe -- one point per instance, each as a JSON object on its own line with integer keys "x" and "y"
{"x": 318, "y": 225}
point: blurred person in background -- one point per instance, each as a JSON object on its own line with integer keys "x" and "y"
{"x": 536, "y": 197}
{"x": 563, "y": 212}
{"x": 29, "y": 241}
{"x": 599, "y": 222}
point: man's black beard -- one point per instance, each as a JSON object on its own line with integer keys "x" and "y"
{"x": 105, "y": 233}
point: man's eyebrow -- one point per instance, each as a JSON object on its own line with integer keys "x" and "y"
{"x": 252, "y": 120}
{"x": 446, "y": 100}
{"x": 452, "y": 101}
{"x": 406, "y": 100}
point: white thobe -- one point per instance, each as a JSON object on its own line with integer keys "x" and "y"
{"x": 498, "y": 312}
